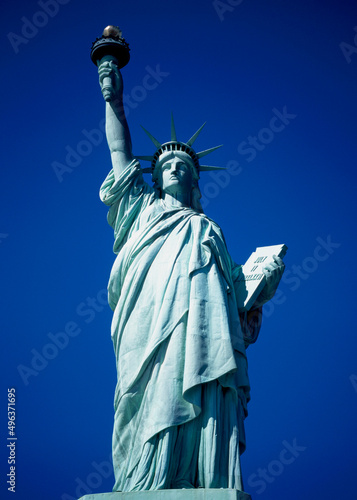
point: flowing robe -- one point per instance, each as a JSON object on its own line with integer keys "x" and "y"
{"x": 182, "y": 388}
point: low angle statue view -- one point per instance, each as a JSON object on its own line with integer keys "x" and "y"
{"x": 184, "y": 312}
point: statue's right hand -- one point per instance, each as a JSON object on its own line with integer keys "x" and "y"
{"x": 110, "y": 79}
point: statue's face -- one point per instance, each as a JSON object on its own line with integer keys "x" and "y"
{"x": 176, "y": 172}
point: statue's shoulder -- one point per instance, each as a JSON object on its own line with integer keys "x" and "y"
{"x": 210, "y": 221}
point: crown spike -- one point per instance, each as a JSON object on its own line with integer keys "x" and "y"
{"x": 208, "y": 151}
{"x": 195, "y": 135}
{"x": 155, "y": 141}
{"x": 173, "y": 130}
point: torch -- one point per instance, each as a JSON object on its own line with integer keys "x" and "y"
{"x": 111, "y": 46}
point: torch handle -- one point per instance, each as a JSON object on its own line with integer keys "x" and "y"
{"x": 108, "y": 89}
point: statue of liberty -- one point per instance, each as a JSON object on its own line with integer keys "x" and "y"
{"x": 179, "y": 339}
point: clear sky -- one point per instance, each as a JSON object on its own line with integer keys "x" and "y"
{"x": 276, "y": 82}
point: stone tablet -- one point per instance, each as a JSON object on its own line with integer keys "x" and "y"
{"x": 252, "y": 278}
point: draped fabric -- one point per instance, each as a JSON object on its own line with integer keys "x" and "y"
{"x": 182, "y": 388}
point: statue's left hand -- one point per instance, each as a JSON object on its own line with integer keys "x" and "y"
{"x": 273, "y": 273}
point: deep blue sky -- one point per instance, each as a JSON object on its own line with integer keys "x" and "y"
{"x": 236, "y": 68}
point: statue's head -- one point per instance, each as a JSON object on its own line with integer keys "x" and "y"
{"x": 175, "y": 166}
{"x": 175, "y": 170}
{"x": 175, "y": 173}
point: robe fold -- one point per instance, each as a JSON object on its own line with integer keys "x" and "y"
{"x": 182, "y": 389}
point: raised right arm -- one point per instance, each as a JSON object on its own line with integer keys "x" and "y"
{"x": 116, "y": 126}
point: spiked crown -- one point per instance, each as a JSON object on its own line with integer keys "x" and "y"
{"x": 175, "y": 145}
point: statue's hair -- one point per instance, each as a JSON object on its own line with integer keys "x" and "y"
{"x": 196, "y": 198}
